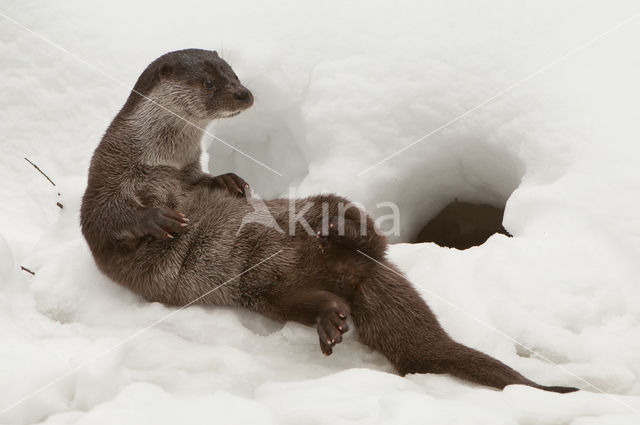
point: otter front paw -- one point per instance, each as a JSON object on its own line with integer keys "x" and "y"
{"x": 231, "y": 183}
{"x": 162, "y": 222}
{"x": 331, "y": 324}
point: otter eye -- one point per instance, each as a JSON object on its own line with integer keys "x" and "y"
{"x": 207, "y": 84}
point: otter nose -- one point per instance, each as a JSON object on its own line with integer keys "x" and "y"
{"x": 242, "y": 94}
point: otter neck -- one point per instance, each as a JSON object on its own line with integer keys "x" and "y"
{"x": 165, "y": 139}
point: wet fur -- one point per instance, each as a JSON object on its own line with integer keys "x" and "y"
{"x": 148, "y": 158}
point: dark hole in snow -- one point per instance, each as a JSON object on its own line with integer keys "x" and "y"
{"x": 457, "y": 181}
{"x": 462, "y": 225}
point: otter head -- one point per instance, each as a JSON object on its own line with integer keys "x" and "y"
{"x": 195, "y": 84}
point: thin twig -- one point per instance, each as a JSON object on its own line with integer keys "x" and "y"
{"x": 27, "y": 270}
{"x": 41, "y": 172}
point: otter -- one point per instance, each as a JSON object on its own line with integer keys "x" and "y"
{"x": 157, "y": 224}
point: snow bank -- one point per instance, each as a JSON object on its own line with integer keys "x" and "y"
{"x": 339, "y": 87}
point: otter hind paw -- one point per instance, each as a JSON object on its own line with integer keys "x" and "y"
{"x": 339, "y": 230}
{"x": 331, "y": 325}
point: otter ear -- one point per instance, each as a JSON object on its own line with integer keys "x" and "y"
{"x": 215, "y": 53}
{"x": 166, "y": 70}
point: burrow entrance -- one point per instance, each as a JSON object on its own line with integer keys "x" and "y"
{"x": 462, "y": 225}
{"x": 453, "y": 193}
{"x": 469, "y": 207}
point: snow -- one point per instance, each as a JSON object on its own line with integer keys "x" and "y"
{"x": 339, "y": 86}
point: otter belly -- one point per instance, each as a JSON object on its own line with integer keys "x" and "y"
{"x": 196, "y": 261}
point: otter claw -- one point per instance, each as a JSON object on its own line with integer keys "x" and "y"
{"x": 232, "y": 183}
{"x": 160, "y": 223}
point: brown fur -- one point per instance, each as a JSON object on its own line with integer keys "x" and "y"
{"x": 146, "y": 169}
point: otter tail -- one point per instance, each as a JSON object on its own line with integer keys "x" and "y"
{"x": 472, "y": 365}
{"x": 392, "y": 318}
